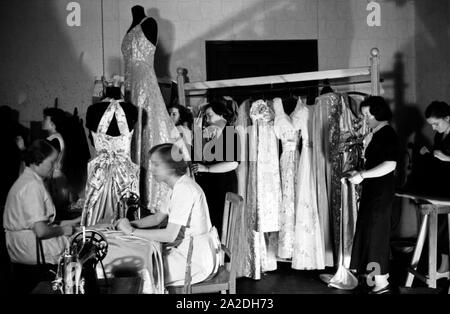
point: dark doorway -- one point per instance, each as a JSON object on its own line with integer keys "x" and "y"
{"x": 249, "y": 58}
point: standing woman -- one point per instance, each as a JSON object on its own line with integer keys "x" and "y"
{"x": 216, "y": 173}
{"x": 53, "y": 123}
{"x": 182, "y": 118}
{"x": 371, "y": 242}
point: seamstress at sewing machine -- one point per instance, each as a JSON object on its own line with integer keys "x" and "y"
{"x": 431, "y": 171}
{"x": 30, "y": 212}
{"x": 186, "y": 213}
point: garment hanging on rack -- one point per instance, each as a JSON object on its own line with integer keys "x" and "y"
{"x": 309, "y": 249}
{"x": 263, "y": 194}
{"x": 157, "y": 126}
{"x": 325, "y": 135}
{"x": 350, "y": 158}
{"x": 289, "y": 136}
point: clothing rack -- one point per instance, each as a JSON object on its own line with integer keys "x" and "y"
{"x": 281, "y": 89}
{"x": 372, "y": 71}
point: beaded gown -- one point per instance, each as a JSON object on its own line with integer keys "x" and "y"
{"x": 289, "y": 136}
{"x": 158, "y": 127}
{"x": 111, "y": 173}
{"x": 263, "y": 202}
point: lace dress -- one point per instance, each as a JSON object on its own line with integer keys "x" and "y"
{"x": 111, "y": 173}
{"x": 158, "y": 128}
{"x": 264, "y": 199}
{"x": 289, "y": 136}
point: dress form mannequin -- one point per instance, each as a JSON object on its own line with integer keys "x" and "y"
{"x": 149, "y": 26}
{"x": 96, "y": 111}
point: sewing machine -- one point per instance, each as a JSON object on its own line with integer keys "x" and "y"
{"x": 76, "y": 268}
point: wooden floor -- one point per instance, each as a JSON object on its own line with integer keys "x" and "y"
{"x": 286, "y": 280}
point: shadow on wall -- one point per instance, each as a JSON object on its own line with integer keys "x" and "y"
{"x": 38, "y": 59}
{"x": 432, "y": 47}
{"x": 249, "y": 23}
{"x": 39, "y": 62}
{"x": 164, "y": 47}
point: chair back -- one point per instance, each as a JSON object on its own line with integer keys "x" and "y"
{"x": 233, "y": 216}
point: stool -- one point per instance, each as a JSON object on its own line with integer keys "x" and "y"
{"x": 430, "y": 213}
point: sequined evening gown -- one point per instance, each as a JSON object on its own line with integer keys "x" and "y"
{"x": 111, "y": 173}
{"x": 158, "y": 128}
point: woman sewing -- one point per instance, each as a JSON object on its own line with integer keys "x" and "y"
{"x": 437, "y": 166}
{"x": 185, "y": 214}
{"x": 371, "y": 242}
{"x": 30, "y": 212}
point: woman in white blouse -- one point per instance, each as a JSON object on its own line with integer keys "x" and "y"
{"x": 30, "y": 213}
{"x": 185, "y": 214}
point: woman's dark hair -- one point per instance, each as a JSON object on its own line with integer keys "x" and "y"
{"x": 378, "y": 107}
{"x": 222, "y": 107}
{"x": 38, "y": 151}
{"x": 167, "y": 152}
{"x": 437, "y": 109}
{"x": 185, "y": 115}
{"x": 57, "y": 116}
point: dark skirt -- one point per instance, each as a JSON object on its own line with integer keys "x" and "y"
{"x": 371, "y": 243}
{"x": 215, "y": 186}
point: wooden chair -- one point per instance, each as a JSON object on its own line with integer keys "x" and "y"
{"x": 225, "y": 279}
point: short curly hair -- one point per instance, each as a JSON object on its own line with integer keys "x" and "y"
{"x": 38, "y": 151}
{"x": 58, "y": 117}
{"x": 378, "y": 107}
{"x": 185, "y": 114}
{"x": 437, "y": 109}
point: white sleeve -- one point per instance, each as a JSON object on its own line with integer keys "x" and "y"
{"x": 181, "y": 204}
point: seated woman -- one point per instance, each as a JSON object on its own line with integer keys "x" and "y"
{"x": 30, "y": 212}
{"x": 186, "y": 213}
{"x": 438, "y": 117}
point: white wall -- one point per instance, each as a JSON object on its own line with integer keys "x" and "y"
{"x": 44, "y": 58}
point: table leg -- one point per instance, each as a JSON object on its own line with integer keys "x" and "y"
{"x": 417, "y": 250}
{"x": 432, "y": 248}
{"x": 448, "y": 217}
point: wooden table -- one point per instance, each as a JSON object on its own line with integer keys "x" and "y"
{"x": 429, "y": 209}
{"x": 117, "y": 285}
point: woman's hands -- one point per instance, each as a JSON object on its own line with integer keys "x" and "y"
{"x": 356, "y": 177}
{"x": 67, "y": 230}
{"x": 424, "y": 150}
{"x": 199, "y": 168}
{"x": 441, "y": 156}
{"x": 124, "y": 226}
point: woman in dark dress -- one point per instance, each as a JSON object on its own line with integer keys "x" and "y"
{"x": 437, "y": 168}
{"x": 372, "y": 236}
{"x": 216, "y": 173}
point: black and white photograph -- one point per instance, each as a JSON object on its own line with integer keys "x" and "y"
{"x": 236, "y": 150}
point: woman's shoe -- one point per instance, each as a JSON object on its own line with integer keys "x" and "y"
{"x": 385, "y": 290}
{"x": 445, "y": 275}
